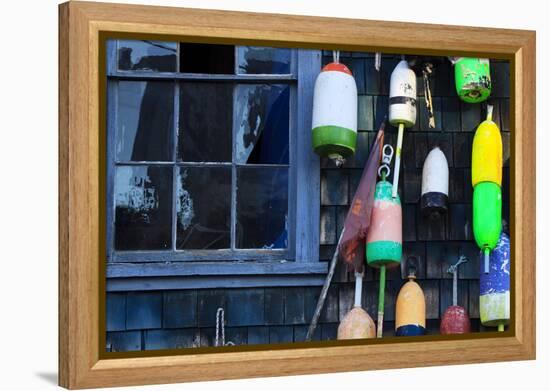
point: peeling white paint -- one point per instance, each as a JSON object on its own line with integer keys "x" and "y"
{"x": 184, "y": 202}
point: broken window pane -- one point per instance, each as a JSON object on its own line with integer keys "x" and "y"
{"x": 262, "y": 122}
{"x": 147, "y": 56}
{"x": 262, "y": 207}
{"x": 203, "y": 207}
{"x": 263, "y": 60}
{"x": 145, "y": 121}
{"x": 204, "y": 58}
{"x": 143, "y": 207}
{"x": 205, "y": 123}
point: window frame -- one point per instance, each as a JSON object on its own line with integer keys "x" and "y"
{"x": 301, "y": 258}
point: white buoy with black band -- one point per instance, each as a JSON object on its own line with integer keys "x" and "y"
{"x": 334, "y": 123}
{"x": 435, "y": 183}
{"x": 402, "y": 109}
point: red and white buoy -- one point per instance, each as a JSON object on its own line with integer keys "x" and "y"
{"x": 334, "y": 122}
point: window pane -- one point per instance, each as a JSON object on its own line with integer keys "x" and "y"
{"x": 204, "y": 58}
{"x": 262, "y": 207}
{"x": 143, "y": 208}
{"x": 262, "y": 122}
{"x": 205, "y": 124}
{"x": 254, "y": 59}
{"x": 145, "y": 121}
{"x": 147, "y": 56}
{"x": 203, "y": 207}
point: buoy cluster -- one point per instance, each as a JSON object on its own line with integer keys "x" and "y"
{"x": 486, "y": 181}
{"x": 334, "y": 133}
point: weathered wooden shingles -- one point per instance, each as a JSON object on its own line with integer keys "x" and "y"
{"x": 170, "y": 319}
{"x": 173, "y": 319}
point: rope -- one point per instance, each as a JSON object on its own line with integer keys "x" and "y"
{"x": 336, "y": 56}
{"x": 427, "y": 70}
{"x": 220, "y": 324}
{"x": 377, "y": 61}
{"x": 489, "y": 112}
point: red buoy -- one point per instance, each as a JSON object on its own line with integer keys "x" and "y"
{"x": 455, "y": 320}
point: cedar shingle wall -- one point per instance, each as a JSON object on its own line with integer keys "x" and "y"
{"x": 173, "y": 319}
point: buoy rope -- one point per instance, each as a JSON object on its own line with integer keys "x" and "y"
{"x": 336, "y": 56}
{"x": 489, "y": 112}
{"x": 377, "y": 61}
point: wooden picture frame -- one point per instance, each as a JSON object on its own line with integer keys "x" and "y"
{"x": 81, "y": 274}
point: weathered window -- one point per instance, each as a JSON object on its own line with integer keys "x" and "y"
{"x": 204, "y": 155}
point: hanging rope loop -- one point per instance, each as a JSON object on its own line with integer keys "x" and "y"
{"x": 336, "y": 56}
{"x": 220, "y": 327}
{"x": 454, "y": 268}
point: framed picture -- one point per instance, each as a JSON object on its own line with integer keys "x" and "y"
{"x": 247, "y": 195}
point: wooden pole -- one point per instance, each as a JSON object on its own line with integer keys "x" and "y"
{"x": 397, "y": 166}
{"x": 324, "y": 291}
{"x": 381, "y": 294}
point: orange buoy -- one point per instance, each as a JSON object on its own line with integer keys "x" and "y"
{"x": 410, "y": 307}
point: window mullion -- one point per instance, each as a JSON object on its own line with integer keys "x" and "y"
{"x": 175, "y": 169}
{"x": 307, "y": 199}
{"x": 112, "y": 104}
{"x": 236, "y": 60}
{"x": 178, "y": 57}
{"x": 233, "y": 159}
{"x": 112, "y": 113}
{"x": 292, "y": 184}
{"x": 175, "y": 166}
{"x": 233, "y": 174}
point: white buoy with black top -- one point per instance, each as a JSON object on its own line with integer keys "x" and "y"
{"x": 435, "y": 183}
{"x": 334, "y": 122}
{"x": 402, "y": 109}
